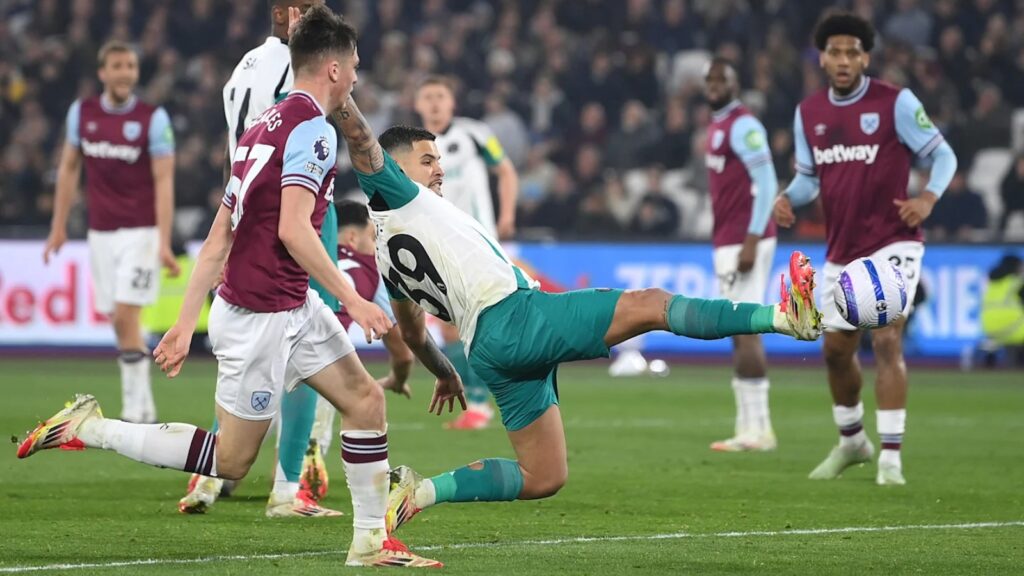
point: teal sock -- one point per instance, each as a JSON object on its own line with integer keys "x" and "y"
{"x": 498, "y": 480}
{"x": 298, "y": 411}
{"x": 714, "y": 319}
{"x": 215, "y": 427}
{"x": 476, "y": 390}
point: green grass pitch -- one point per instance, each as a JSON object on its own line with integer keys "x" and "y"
{"x": 645, "y": 494}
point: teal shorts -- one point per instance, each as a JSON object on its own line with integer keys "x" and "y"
{"x": 521, "y": 340}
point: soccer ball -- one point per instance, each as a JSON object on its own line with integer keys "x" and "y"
{"x": 870, "y": 293}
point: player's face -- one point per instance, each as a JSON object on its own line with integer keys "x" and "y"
{"x": 422, "y": 164}
{"x": 435, "y": 104}
{"x": 719, "y": 85}
{"x": 119, "y": 75}
{"x": 844, "y": 61}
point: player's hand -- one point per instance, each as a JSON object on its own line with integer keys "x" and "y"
{"x": 914, "y": 211}
{"x": 172, "y": 350}
{"x": 168, "y": 261}
{"x": 447, "y": 390}
{"x": 370, "y": 317}
{"x": 294, "y": 14}
{"x": 783, "y": 211}
{"x": 507, "y": 227}
{"x": 748, "y": 253}
{"x": 390, "y": 382}
{"x": 57, "y": 238}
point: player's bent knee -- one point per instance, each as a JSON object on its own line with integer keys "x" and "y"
{"x": 232, "y": 468}
{"x": 544, "y": 486}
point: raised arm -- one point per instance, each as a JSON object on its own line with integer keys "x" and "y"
{"x": 364, "y": 150}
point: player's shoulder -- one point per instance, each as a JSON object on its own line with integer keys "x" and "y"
{"x": 883, "y": 88}
{"x": 271, "y": 49}
{"x": 300, "y": 108}
{"x": 816, "y": 98}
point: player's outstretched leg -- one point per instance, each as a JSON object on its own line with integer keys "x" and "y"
{"x": 796, "y": 315}
{"x": 364, "y": 451}
{"x": 81, "y": 425}
{"x": 288, "y": 497}
{"x": 840, "y": 351}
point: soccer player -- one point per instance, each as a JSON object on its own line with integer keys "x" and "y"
{"x": 127, "y": 147}
{"x": 437, "y": 259}
{"x": 269, "y": 330}
{"x": 855, "y": 144}
{"x": 262, "y": 78}
{"x": 742, "y": 181}
{"x": 357, "y": 264}
{"x": 470, "y": 152}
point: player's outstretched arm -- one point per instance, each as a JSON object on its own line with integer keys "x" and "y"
{"x": 163, "y": 184}
{"x": 69, "y": 173}
{"x": 170, "y": 354}
{"x": 364, "y": 150}
{"x": 303, "y": 244}
{"x": 413, "y": 323}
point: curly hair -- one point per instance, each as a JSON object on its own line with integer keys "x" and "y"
{"x": 844, "y": 24}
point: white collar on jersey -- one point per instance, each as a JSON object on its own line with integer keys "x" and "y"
{"x": 852, "y": 97}
{"x": 275, "y": 40}
{"x": 311, "y": 99}
{"x": 111, "y": 108}
{"x": 718, "y": 115}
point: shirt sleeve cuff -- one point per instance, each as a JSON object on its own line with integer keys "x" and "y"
{"x": 300, "y": 180}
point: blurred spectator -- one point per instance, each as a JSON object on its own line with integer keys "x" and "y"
{"x": 656, "y": 215}
{"x": 559, "y": 208}
{"x": 632, "y": 144}
{"x": 910, "y": 24}
{"x": 1012, "y": 193}
{"x": 988, "y": 125}
{"x": 514, "y": 138}
{"x": 673, "y": 146}
{"x": 959, "y": 215}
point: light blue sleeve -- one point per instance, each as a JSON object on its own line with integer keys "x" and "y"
{"x": 944, "y": 164}
{"x": 71, "y": 134}
{"x": 308, "y": 154}
{"x": 804, "y": 160}
{"x": 914, "y": 128}
{"x": 383, "y": 299}
{"x": 749, "y": 141}
{"x": 803, "y": 189}
{"x": 161, "y": 134}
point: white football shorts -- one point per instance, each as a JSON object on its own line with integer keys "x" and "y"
{"x": 262, "y": 355}
{"x": 748, "y": 287}
{"x": 125, "y": 266}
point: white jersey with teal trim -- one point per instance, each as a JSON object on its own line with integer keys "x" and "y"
{"x": 431, "y": 252}
{"x": 260, "y": 80}
{"x": 468, "y": 149}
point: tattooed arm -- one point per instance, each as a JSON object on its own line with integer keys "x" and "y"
{"x": 363, "y": 148}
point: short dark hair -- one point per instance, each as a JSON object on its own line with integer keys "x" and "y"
{"x": 111, "y": 47}
{"x": 352, "y": 213}
{"x": 319, "y": 33}
{"x": 844, "y": 24}
{"x": 402, "y": 137}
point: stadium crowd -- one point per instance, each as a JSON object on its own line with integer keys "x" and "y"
{"x": 597, "y": 102}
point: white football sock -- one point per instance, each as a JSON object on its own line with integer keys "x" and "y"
{"x": 175, "y": 445}
{"x": 323, "y": 427}
{"x": 752, "y": 415}
{"x": 891, "y": 426}
{"x": 283, "y": 489}
{"x": 425, "y": 494}
{"x": 365, "y": 454}
{"x": 136, "y": 390}
{"x": 850, "y": 420}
